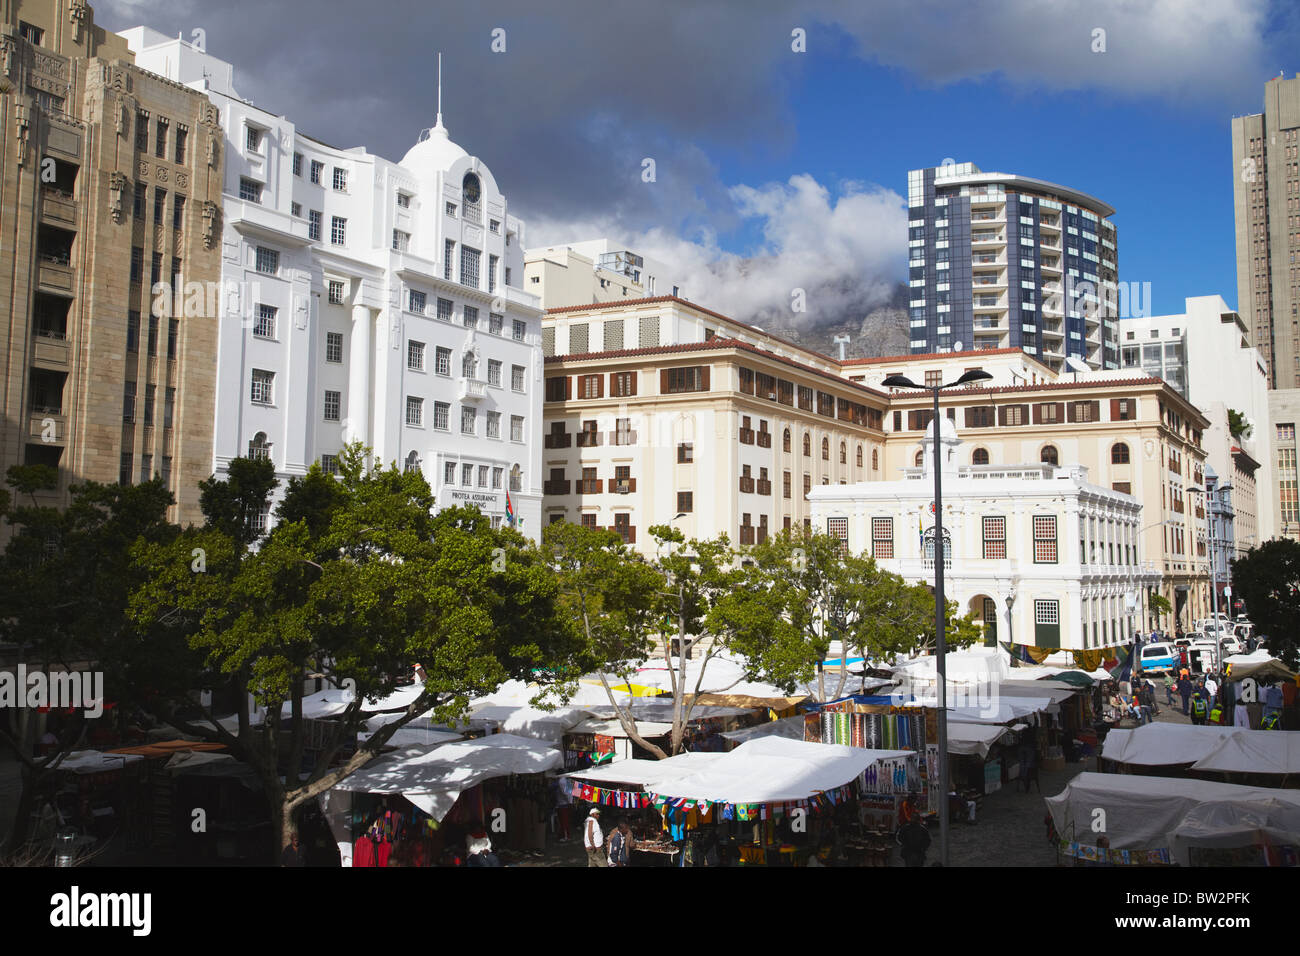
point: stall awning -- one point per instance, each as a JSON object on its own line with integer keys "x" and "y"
{"x": 776, "y": 770}
{"x": 645, "y": 773}
{"x": 1162, "y": 745}
{"x": 791, "y": 728}
{"x": 966, "y": 739}
{"x": 1254, "y": 751}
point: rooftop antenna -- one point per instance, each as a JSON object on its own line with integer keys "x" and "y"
{"x": 438, "y": 123}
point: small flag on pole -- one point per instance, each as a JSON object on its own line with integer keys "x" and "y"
{"x": 510, "y": 511}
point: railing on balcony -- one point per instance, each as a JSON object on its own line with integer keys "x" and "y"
{"x": 747, "y": 436}
{"x": 747, "y": 485}
{"x": 624, "y": 486}
{"x": 764, "y": 487}
{"x": 556, "y": 487}
{"x": 557, "y": 440}
{"x": 764, "y": 439}
{"x": 588, "y": 439}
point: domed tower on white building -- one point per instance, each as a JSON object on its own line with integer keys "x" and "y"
{"x": 367, "y": 300}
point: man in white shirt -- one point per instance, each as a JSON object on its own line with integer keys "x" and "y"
{"x": 593, "y": 839}
{"x": 1211, "y": 688}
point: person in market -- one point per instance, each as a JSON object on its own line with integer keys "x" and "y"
{"x": 1185, "y": 692}
{"x": 478, "y": 847}
{"x": 1241, "y": 715}
{"x": 1169, "y": 689}
{"x": 1211, "y": 689}
{"x": 593, "y": 839}
{"x": 1200, "y": 706}
{"x": 914, "y": 838}
{"x": 1273, "y": 702}
{"x": 292, "y": 855}
{"x": 620, "y": 844}
{"x": 1147, "y": 698}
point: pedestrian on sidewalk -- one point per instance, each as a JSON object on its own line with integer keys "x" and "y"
{"x": 914, "y": 838}
{"x": 1185, "y": 692}
{"x": 1169, "y": 689}
{"x": 593, "y": 839}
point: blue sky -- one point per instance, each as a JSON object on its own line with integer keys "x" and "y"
{"x": 777, "y": 169}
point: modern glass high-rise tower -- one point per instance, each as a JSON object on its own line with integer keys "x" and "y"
{"x": 1266, "y": 202}
{"x": 1004, "y": 261}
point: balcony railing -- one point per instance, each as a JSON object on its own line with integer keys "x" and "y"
{"x": 623, "y": 486}
{"x": 764, "y": 439}
{"x": 556, "y": 487}
{"x": 764, "y": 487}
{"x": 747, "y": 485}
{"x": 588, "y": 439}
{"x": 747, "y": 436}
{"x": 557, "y": 440}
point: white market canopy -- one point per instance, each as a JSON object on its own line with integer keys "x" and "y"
{"x": 965, "y": 739}
{"x": 1155, "y": 812}
{"x": 614, "y": 728}
{"x": 792, "y": 728}
{"x": 434, "y": 779}
{"x": 416, "y": 737}
{"x": 1254, "y": 751}
{"x": 1162, "y": 745}
{"x": 1000, "y": 711}
{"x": 95, "y": 761}
{"x": 527, "y": 721}
{"x": 647, "y": 773}
{"x": 775, "y": 770}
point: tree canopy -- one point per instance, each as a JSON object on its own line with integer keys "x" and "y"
{"x": 1267, "y": 579}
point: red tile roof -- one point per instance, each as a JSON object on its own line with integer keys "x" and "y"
{"x": 717, "y": 343}
{"x": 928, "y": 356}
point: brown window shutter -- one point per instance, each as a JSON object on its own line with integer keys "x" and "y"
{"x": 1002, "y": 415}
{"x": 663, "y": 381}
{"x": 600, "y": 386}
{"x": 632, "y": 377}
{"x": 1096, "y": 410}
{"x": 631, "y": 534}
{"x": 1114, "y": 409}
{"x": 600, "y": 485}
{"x": 1060, "y": 411}
{"x": 568, "y": 388}
{"x": 1038, "y": 414}
{"x": 704, "y": 376}
{"x": 631, "y": 484}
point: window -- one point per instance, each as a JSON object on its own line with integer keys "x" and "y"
{"x": 469, "y": 263}
{"x": 807, "y": 483}
{"x": 492, "y": 272}
{"x": 404, "y": 200}
{"x": 34, "y": 36}
{"x": 1286, "y": 432}
{"x": 297, "y": 164}
{"x": 838, "y": 528}
{"x": 141, "y": 131}
{"x": 451, "y": 210}
{"x": 1047, "y": 615}
{"x": 859, "y": 456}
{"x": 933, "y": 378}
{"x": 133, "y": 331}
{"x": 1013, "y": 414}
{"x": 159, "y": 205}
{"x": 263, "y": 387}
{"x": 169, "y": 407}
{"x": 497, "y": 475}
{"x": 128, "y": 402}
{"x": 482, "y": 476}
{"x": 844, "y": 454}
{"x": 496, "y": 323}
{"x": 445, "y": 308}
{"x": 469, "y": 365}
{"x": 686, "y": 453}
{"x": 1045, "y": 539}
{"x": 694, "y": 379}
{"x": 785, "y": 485}
{"x": 337, "y": 291}
{"x": 493, "y": 424}
{"x": 622, "y": 384}
{"x": 268, "y": 261}
{"x": 160, "y": 143}
{"x": 173, "y": 337}
{"x": 882, "y": 537}
{"x": 995, "y": 538}
{"x": 448, "y": 253}
{"x": 333, "y": 401}
{"x": 980, "y": 456}
{"x": 518, "y": 330}
{"x": 314, "y": 224}
{"x": 494, "y": 372}
{"x": 517, "y": 377}
{"x": 623, "y": 525}
{"x": 329, "y": 464}
{"x": 316, "y": 169}
{"x": 264, "y": 325}
{"x": 252, "y": 139}
{"x": 140, "y": 191}
{"x": 416, "y": 302}
{"x": 153, "y": 335}
{"x": 178, "y": 212}
{"x": 685, "y": 502}
{"x": 1123, "y": 487}
{"x": 340, "y": 179}
{"x": 442, "y": 361}
{"x": 623, "y": 434}
{"x": 466, "y": 475}
{"x": 415, "y": 356}
{"x": 807, "y": 445}
{"x": 146, "y": 467}
{"x": 1049, "y": 455}
{"x": 826, "y": 449}
{"x": 470, "y": 317}
{"x": 1119, "y": 454}
{"x": 414, "y": 411}
{"x": 125, "y": 468}
{"x": 401, "y": 241}
{"x": 250, "y": 190}
{"x": 468, "y": 420}
{"x": 591, "y": 386}
{"x": 494, "y": 226}
{"x": 338, "y": 230}
{"x": 442, "y": 416}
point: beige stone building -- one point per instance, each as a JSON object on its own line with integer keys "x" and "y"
{"x": 110, "y": 181}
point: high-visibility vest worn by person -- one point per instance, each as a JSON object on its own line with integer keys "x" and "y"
{"x": 1216, "y": 715}
{"x": 1270, "y": 722}
{"x": 1198, "y": 706}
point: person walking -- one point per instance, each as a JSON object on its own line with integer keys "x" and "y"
{"x": 1148, "y": 698}
{"x": 1169, "y": 689}
{"x": 1185, "y": 692}
{"x": 1240, "y": 715}
{"x": 593, "y": 839}
{"x": 914, "y": 838}
{"x": 1200, "y": 707}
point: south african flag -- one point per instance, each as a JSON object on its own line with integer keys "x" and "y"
{"x": 510, "y": 511}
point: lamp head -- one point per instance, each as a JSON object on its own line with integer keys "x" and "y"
{"x": 899, "y": 381}
{"x": 974, "y": 375}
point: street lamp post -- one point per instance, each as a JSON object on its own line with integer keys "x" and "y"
{"x": 940, "y": 608}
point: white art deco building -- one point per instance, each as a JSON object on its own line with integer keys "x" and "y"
{"x": 369, "y": 300}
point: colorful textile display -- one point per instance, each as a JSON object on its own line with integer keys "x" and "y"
{"x": 1095, "y": 854}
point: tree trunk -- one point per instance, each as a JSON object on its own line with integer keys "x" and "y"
{"x": 285, "y": 827}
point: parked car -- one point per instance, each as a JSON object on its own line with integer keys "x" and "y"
{"x": 1158, "y": 657}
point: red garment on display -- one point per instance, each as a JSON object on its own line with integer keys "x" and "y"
{"x": 363, "y": 852}
{"x": 382, "y": 851}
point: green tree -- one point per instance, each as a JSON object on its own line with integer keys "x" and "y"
{"x": 1238, "y": 426}
{"x": 65, "y": 578}
{"x": 358, "y": 587}
{"x": 1267, "y": 579}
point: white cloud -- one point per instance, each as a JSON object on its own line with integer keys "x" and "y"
{"x": 846, "y": 251}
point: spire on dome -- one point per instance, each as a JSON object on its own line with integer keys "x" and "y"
{"x": 437, "y": 126}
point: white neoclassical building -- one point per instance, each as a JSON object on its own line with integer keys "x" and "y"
{"x": 369, "y": 300}
{"x": 1042, "y": 556}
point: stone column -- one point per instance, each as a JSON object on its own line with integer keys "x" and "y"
{"x": 358, "y": 417}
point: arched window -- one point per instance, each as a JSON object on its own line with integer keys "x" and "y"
{"x": 472, "y": 194}
{"x": 826, "y": 449}
{"x": 807, "y": 445}
{"x": 469, "y": 365}
{"x": 1119, "y": 453}
{"x": 844, "y": 453}
{"x": 516, "y": 479}
{"x": 980, "y": 456}
{"x": 413, "y": 462}
{"x": 859, "y": 456}
{"x": 259, "y": 448}
{"x": 927, "y": 546}
{"x": 785, "y": 440}
{"x": 1049, "y": 456}
{"x": 920, "y": 458}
